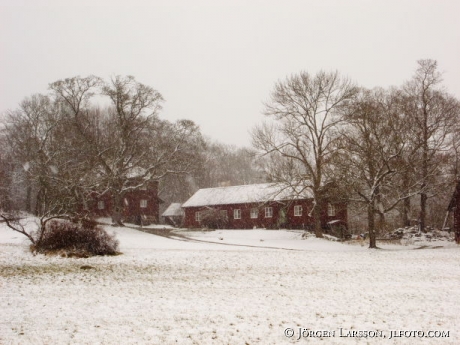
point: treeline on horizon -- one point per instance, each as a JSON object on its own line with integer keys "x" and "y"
{"x": 391, "y": 153}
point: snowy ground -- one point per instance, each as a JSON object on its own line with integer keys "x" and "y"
{"x": 237, "y": 290}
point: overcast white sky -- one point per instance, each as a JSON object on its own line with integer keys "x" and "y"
{"x": 215, "y": 62}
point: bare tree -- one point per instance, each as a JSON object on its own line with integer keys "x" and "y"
{"x": 433, "y": 113}
{"x": 306, "y": 111}
{"x": 47, "y": 164}
{"x": 368, "y": 159}
{"x": 45, "y": 150}
{"x": 127, "y": 142}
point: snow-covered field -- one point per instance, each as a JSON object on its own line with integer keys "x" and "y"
{"x": 230, "y": 287}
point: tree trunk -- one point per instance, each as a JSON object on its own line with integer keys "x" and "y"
{"x": 406, "y": 204}
{"x": 423, "y": 198}
{"x": 381, "y": 218}
{"x": 371, "y": 225}
{"x": 28, "y": 197}
{"x": 406, "y": 212}
{"x": 39, "y": 203}
{"x": 317, "y": 218}
{"x": 117, "y": 208}
{"x": 380, "y": 224}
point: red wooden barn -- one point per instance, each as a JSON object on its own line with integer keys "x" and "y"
{"x": 267, "y": 205}
{"x": 141, "y": 206}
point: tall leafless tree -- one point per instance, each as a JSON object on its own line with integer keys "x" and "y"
{"x": 306, "y": 111}
{"x": 47, "y": 163}
{"x": 369, "y": 157}
{"x": 127, "y": 142}
{"x": 433, "y": 112}
{"x": 45, "y": 150}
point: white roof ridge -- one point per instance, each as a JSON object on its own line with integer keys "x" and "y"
{"x": 242, "y": 194}
{"x": 242, "y": 185}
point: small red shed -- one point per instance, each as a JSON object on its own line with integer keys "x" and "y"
{"x": 174, "y": 215}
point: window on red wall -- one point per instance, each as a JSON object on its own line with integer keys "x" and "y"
{"x": 143, "y": 203}
{"x": 100, "y": 205}
{"x": 268, "y": 212}
{"x": 330, "y": 210}
{"x": 298, "y": 210}
{"x": 237, "y": 214}
{"x": 254, "y": 213}
{"x": 198, "y": 216}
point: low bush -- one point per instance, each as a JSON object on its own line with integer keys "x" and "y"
{"x": 81, "y": 238}
{"x": 214, "y": 219}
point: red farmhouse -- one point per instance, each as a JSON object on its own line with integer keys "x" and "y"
{"x": 265, "y": 205}
{"x": 140, "y": 205}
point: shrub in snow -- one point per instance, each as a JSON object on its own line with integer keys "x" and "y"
{"x": 82, "y": 239}
{"x": 214, "y": 219}
{"x": 411, "y": 235}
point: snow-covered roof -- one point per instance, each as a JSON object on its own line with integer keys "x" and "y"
{"x": 173, "y": 210}
{"x": 245, "y": 194}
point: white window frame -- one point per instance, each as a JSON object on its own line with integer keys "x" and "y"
{"x": 101, "y": 205}
{"x": 298, "y": 211}
{"x": 143, "y": 203}
{"x": 269, "y": 212}
{"x": 254, "y": 213}
{"x": 224, "y": 214}
{"x": 198, "y": 216}
{"x": 330, "y": 210}
{"x": 143, "y": 187}
{"x": 237, "y": 213}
